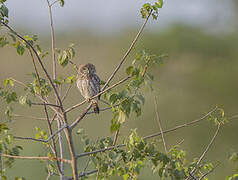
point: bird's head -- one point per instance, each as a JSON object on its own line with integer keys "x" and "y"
{"x": 87, "y": 69}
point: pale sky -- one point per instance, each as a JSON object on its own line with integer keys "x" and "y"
{"x": 115, "y": 15}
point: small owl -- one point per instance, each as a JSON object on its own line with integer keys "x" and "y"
{"x": 89, "y": 83}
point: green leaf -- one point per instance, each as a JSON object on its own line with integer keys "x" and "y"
{"x": 38, "y": 49}
{"x": 22, "y": 100}
{"x": 71, "y": 52}
{"x": 63, "y": 59}
{"x": 122, "y": 117}
{"x": 4, "y": 11}
{"x": 11, "y": 97}
{"x": 3, "y": 41}
{"x": 61, "y": 3}
{"x": 129, "y": 70}
{"x": 8, "y": 82}
{"x": 113, "y": 98}
{"x": 20, "y": 50}
{"x": 70, "y": 79}
{"x": 159, "y": 4}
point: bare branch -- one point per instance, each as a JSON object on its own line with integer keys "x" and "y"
{"x": 43, "y": 104}
{"x": 88, "y": 173}
{"x": 127, "y": 53}
{"x": 115, "y": 137}
{"x": 183, "y": 125}
{"x": 207, "y": 149}
{"x": 80, "y": 117}
{"x": 150, "y": 136}
{"x": 42, "y": 140}
{"x": 66, "y": 93}
{"x": 160, "y": 125}
{"x": 30, "y": 117}
{"x": 36, "y": 158}
{"x": 204, "y": 175}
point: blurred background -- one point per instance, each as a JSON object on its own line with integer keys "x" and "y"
{"x": 201, "y": 39}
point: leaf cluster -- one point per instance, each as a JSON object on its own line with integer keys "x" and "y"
{"x": 131, "y": 99}
{"x": 148, "y": 9}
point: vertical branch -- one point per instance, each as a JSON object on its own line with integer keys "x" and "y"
{"x": 115, "y": 137}
{"x": 52, "y": 40}
{"x": 53, "y": 141}
{"x": 59, "y": 120}
{"x": 160, "y": 125}
{"x": 47, "y": 115}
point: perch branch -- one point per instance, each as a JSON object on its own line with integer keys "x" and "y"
{"x": 102, "y": 92}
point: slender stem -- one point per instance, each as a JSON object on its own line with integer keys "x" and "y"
{"x": 42, "y": 140}
{"x": 127, "y": 53}
{"x": 115, "y": 137}
{"x": 204, "y": 175}
{"x": 44, "y": 104}
{"x": 52, "y": 40}
{"x": 36, "y": 158}
{"x": 30, "y": 117}
{"x": 53, "y": 141}
{"x": 183, "y": 125}
{"x": 80, "y": 117}
{"x": 150, "y": 136}
{"x": 207, "y": 148}
{"x": 160, "y": 124}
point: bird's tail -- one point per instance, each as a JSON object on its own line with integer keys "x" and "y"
{"x": 95, "y": 107}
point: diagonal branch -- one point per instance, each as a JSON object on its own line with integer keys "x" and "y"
{"x": 39, "y": 60}
{"x": 150, "y": 136}
{"x": 160, "y": 125}
{"x": 127, "y": 53}
{"x": 207, "y": 149}
{"x": 42, "y": 140}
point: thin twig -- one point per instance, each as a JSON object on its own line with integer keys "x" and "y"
{"x": 30, "y": 117}
{"x": 160, "y": 124}
{"x": 183, "y": 125}
{"x": 204, "y": 175}
{"x": 42, "y": 140}
{"x": 88, "y": 173}
{"x": 36, "y": 158}
{"x": 115, "y": 137}
{"x": 98, "y": 173}
{"x": 66, "y": 93}
{"x": 127, "y": 52}
{"x": 43, "y": 104}
{"x": 207, "y": 149}
{"x": 149, "y": 136}
{"x": 53, "y": 141}
{"x": 80, "y": 117}
{"x": 87, "y": 163}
